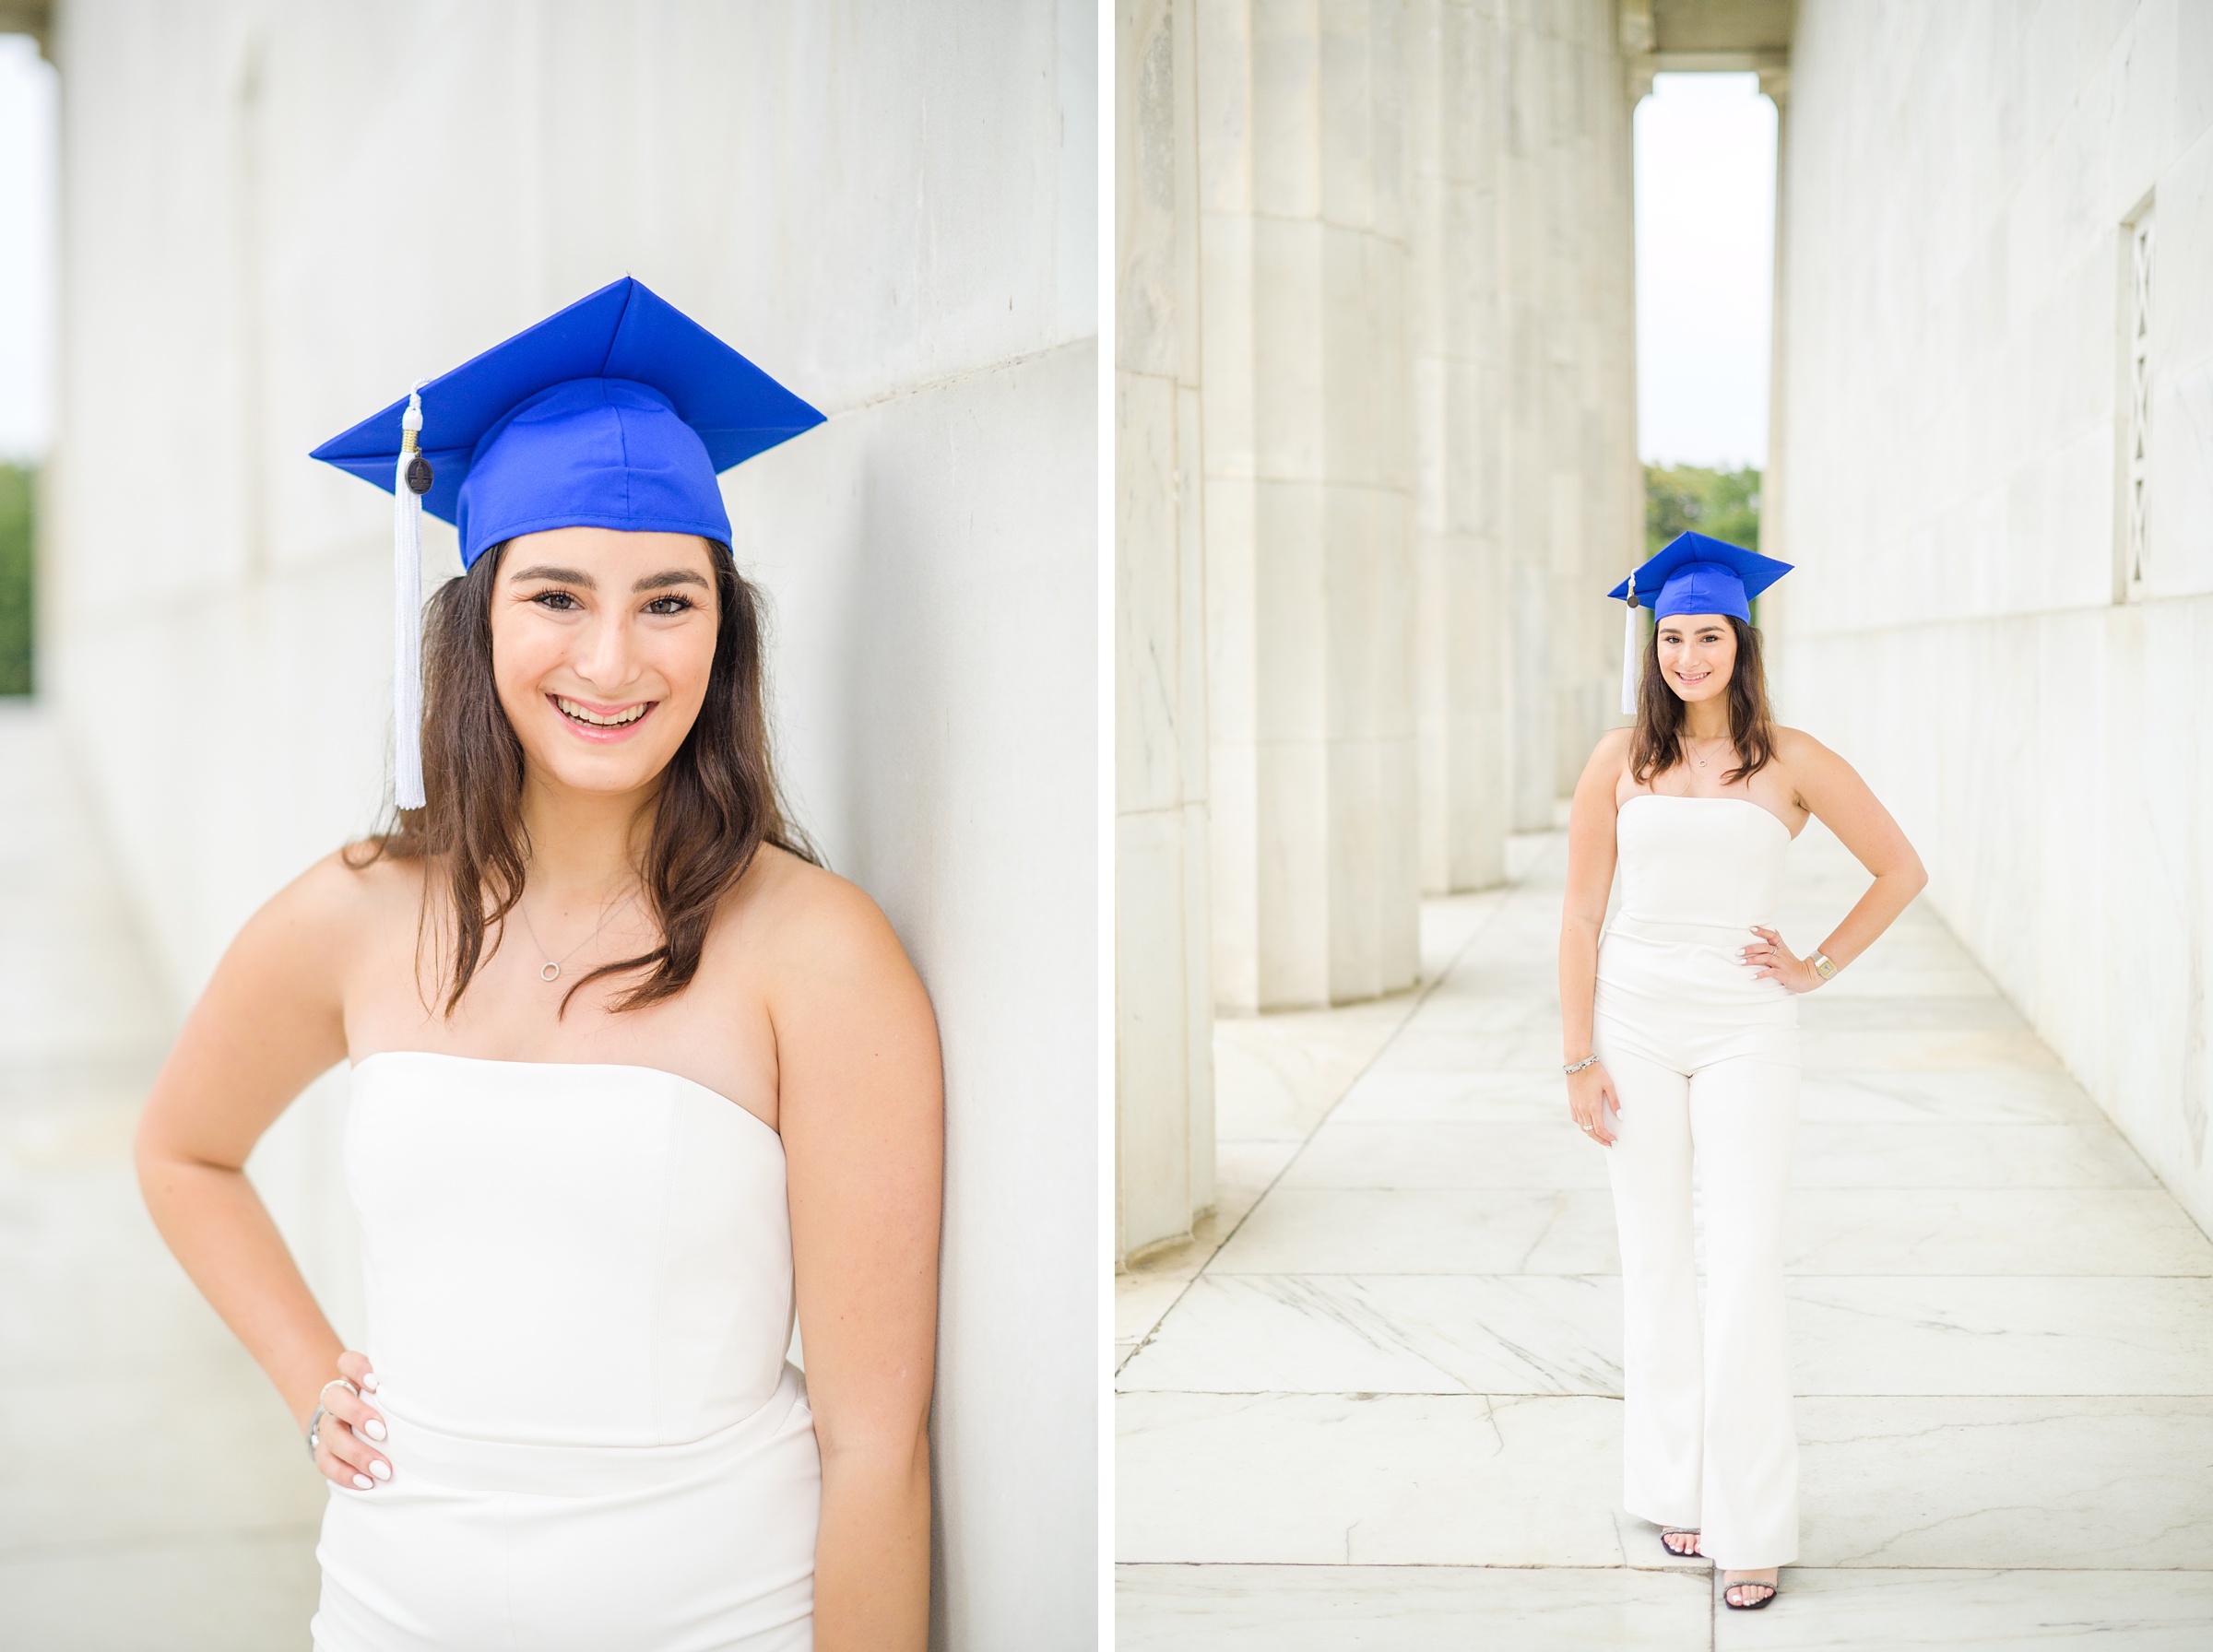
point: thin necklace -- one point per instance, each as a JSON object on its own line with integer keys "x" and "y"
{"x": 551, "y": 969}
{"x": 1694, "y": 756}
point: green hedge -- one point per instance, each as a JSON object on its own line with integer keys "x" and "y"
{"x": 17, "y": 487}
{"x": 1680, "y": 498}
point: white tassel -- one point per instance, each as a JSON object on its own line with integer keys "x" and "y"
{"x": 407, "y": 615}
{"x": 1628, "y": 653}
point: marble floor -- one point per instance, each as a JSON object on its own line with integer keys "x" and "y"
{"x": 1374, "y": 1402}
{"x": 152, "y": 1491}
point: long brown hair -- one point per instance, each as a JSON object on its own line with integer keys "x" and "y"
{"x": 1657, "y": 746}
{"x": 716, "y": 806}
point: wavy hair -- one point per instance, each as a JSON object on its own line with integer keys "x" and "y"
{"x": 718, "y": 804}
{"x": 1656, "y": 744}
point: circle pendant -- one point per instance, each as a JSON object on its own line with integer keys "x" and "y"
{"x": 551, "y": 973}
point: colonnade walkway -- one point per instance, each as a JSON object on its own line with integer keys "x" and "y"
{"x": 1376, "y": 1403}
{"x": 153, "y": 1494}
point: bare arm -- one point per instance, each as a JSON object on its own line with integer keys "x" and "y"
{"x": 270, "y": 1022}
{"x": 1590, "y": 881}
{"x": 1839, "y": 800}
{"x": 860, "y": 1106}
{"x": 1591, "y": 853}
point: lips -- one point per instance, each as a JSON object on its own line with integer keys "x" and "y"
{"x": 601, "y": 723}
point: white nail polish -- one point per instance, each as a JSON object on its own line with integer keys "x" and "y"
{"x": 368, "y": 1382}
{"x": 383, "y": 1470}
{"x": 374, "y": 1428}
{"x": 361, "y": 1482}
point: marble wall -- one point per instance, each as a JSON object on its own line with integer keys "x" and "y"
{"x": 1970, "y": 624}
{"x": 275, "y": 216}
{"x": 1164, "y": 1060}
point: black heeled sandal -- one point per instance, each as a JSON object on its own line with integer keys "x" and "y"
{"x": 1749, "y": 1583}
{"x": 1680, "y": 1531}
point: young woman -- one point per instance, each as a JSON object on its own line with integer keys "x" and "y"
{"x": 1680, "y": 1042}
{"x": 631, "y": 1074}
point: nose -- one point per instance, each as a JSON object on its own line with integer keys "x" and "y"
{"x": 604, "y": 658}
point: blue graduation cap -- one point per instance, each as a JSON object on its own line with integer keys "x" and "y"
{"x": 1691, "y": 574}
{"x": 616, "y": 412}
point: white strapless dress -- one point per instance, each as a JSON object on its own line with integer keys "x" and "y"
{"x": 579, "y": 1303}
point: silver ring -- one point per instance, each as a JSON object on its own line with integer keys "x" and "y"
{"x": 314, "y": 1423}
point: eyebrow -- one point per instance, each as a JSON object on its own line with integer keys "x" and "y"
{"x": 576, "y": 576}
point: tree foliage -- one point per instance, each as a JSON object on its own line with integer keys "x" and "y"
{"x": 1681, "y": 498}
{"x": 17, "y": 488}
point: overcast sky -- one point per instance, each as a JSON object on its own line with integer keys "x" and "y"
{"x": 26, "y": 174}
{"x": 1705, "y": 237}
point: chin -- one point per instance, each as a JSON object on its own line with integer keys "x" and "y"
{"x": 608, "y": 774}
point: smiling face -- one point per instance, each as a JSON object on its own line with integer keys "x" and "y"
{"x": 602, "y": 643}
{"x": 1698, "y": 653}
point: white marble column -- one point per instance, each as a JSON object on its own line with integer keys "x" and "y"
{"x": 1308, "y": 499}
{"x": 1455, "y": 85}
{"x": 1602, "y": 536}
{"x": 1165, "y": 1123}
{"x": 1571, "y": 494}
{"x": 1774, "y": 537}
{"x": 1531, "y": 307}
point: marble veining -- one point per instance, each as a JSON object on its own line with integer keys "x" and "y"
{"x": 1383, "y": 1409}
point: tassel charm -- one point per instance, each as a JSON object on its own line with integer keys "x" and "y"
{"x": 1629, "y": 653}
{"x": 407, "y": 606}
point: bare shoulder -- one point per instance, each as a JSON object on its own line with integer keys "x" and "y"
{"x": 337, "y": 900}
{"x": 1608, "y": 759}
{"x": 1806, "y": 760}
{"x": 1611, "y": 755}
{"x": 844, "y": 1002}
{"x": 294, "y": 955}
{"x": 808, "y": 923}
{"x": 1795, "y": 745}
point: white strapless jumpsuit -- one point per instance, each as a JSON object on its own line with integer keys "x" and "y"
{"x": 579, "y": 1303}
{"x": 1704, "y": 1055}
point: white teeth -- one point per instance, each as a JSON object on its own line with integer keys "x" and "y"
{"x": 629, "y": 714}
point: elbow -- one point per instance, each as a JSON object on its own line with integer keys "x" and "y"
{"x": 1578, "y": 928}
{"x": 873, "y": 1453}
{"x": 161, "y": 1161}
{"x": 146, "y": 1153}
{"x": 155, "y": 1161}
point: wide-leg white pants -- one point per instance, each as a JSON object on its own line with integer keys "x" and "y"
{"x": 1708, "y": 1439}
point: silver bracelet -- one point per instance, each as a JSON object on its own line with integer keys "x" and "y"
{"x": 1579, "y": 1067}
{"x": 314, "y": 1423}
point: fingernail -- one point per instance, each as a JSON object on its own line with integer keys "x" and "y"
{"x": 368, "y": 1382}
{"x": 361, "y": 1482}
{"x": 374, "y": 1428}
{"x": 381, "y": 1469}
